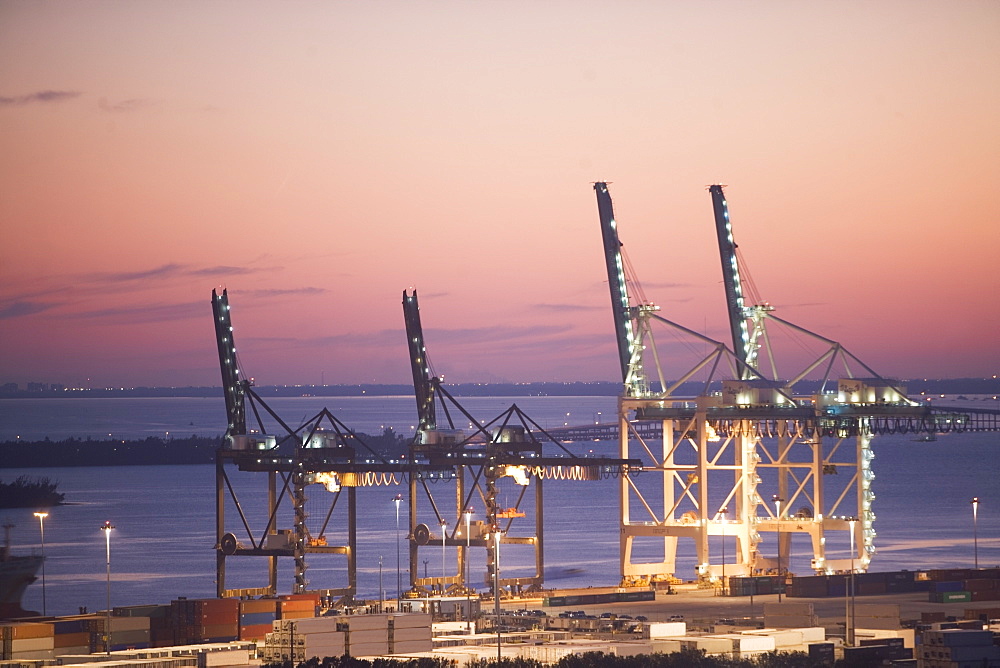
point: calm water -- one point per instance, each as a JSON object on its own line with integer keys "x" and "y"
{"x": 164, "y": 516}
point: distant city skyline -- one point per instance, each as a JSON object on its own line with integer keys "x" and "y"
{"x": 317, "y": 159}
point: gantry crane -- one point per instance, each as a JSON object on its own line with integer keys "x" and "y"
{"x": 745, "y": 441}
{"x": 510, "y": 446}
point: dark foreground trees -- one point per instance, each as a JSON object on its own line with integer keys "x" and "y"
{"x": 685, "y": 659}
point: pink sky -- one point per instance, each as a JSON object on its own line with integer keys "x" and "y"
{"x": 316, "y": 158}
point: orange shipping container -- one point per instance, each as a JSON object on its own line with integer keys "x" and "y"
{"x": 72, "y": 639}
{"x": 258, "y": 605}
{"x": 25, "y": 630}
{"x": 255, "y": 631}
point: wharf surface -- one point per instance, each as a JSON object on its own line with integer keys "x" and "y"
{"x": 706, "y": 606}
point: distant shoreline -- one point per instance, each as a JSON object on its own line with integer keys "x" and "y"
{"x": 579, "y": 389}
{"x": 151, "y": 451}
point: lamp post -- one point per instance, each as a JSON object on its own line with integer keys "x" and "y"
{"x": 399, "y": 588}
{"x": 106, "y": 528}
{"x": 468, "y": 544}
{"x": 777, "y": 513}
{"x": 975, "y": 535}
{"x": 723, "y": 512}
{"x": 496, "y": 583}
{"x": 41, "y": 526}
{"x": 381, "y": 591}
{"x": 849, "y": 593}
{"x": 444, "y": 533}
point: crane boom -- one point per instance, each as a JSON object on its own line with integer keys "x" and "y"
{"x": 731, "y": 279}
{"x": 624, "y": 332}
{"x": 232, "y": 386}
{"x": 422, "y": 383}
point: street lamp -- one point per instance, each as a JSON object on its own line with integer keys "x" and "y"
{"x": 381, "y": 591}
{"x": 468, "y": 544}
{"x": 849, "y": 593}
{"x": 444, "y": 534}
{"x": 106, "y": 528}
{"x": 399, "y": 588}
{"x": 41, "y": 526}
{"x": 975, "y": 535}
{"x": 496, "y": 583}
{"x": 723, "y": 511}
{"x": 777, "y": 512}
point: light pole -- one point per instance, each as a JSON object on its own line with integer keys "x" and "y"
{"x": 496, "y": 583}
{"x": 444, "y": 534}
{"x": 41, "y": 526}
{"x": 777, "y": 512}
{"x": 975, "y": 535}
{"x": 849, "y": 592}
{"x": 468, "y": 544}
{"x": 381, "y": 591}
{"x": 399, "y": 588}
{"x": 106, "y": 528}
{"x": 723, "y": 512}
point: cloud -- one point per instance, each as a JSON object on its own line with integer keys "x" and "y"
{"x": 42, "y": 96}
{"x": 19, "y": 308}
{"x": 168, "y": 270}
{"x": 565, "y": 308}
{"x": 222, "y": 269}
{"x": 125, "y": 106}
{"x": 144, "y": 314}
{"x": 281, "y": 292}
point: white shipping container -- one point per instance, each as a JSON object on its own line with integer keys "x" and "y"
{"x": 370, "y": 636}
{"x": 908, "y": 635}
{"x": 33, "y": 655}
{"x": 403, "y": 635}
{"x": 711, "y": 644}
{"x": 877, "y": 610}
{"x": 664, "y": 646}
{"x": 411, "y": 646}
{"x": 666, "y": 629}
{"x": 792, "y": 622}
{"x": 369, "y": 649}
{"x": 364, "y": 622}
{"x": 20, "y": 645}
{"x": 410, "y": 620}
{"x": 788, "y": 609}
{"x": 311, "y": 625}
{"x": 236, "y": 657}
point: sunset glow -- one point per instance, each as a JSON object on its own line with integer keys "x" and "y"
{"x": 318, "y": 158}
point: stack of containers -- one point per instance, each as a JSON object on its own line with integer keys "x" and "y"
{"x": 297, "y": 606}
{"x": 72, "y": 635}
{"x": 410, "y": 633}
{"x": 299, "y": 640}
{"x": 790, "y": 615}
{"x": 205, "y": 620}
{"x": 983, "y": 589}
{"x": 365, "y": 635}
{"x": 257, "y": 618}
{"x": 26, "y": 641}
{"x": 876, "y": 616}
{"x": 958, "y": 647}
{"x": 161, "y": 633}
{"x": 948, "y": 591}
{"x": 125, "y": 632}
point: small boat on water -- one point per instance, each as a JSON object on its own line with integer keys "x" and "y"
{"x": 16, "y": 573}
{"x": 926, "y": 438}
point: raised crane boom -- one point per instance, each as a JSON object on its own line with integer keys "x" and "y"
{"x": 731, "y": 279}
{"x": 625, "y": 332}
{"x": 423, "y": 386}
{"x": 232, "y": 385}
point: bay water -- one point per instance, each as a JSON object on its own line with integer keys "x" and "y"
{"x": 164, "y": 516}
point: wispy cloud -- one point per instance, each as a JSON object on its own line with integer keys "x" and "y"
{"x": 20, "y": 308}
{"x": 281, "y": 292}
{"x": 143, "y": 314}
{"x": 125, "y": 106}
{"x": 222, "y": 269}
{"x": 39, "y": 97}
{"x": 566, "y": 308}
